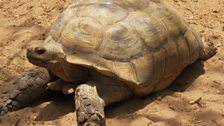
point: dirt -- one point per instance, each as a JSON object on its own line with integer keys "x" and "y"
{"x": 196, "y": 97}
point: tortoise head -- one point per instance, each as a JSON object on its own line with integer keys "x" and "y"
{"x": 45, "y": 54}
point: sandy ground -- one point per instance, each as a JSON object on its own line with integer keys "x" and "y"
{"x": 23, "y": 22}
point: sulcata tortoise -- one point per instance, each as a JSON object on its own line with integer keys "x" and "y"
{"x": 109, "y": 50}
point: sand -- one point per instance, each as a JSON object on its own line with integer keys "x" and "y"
{"x": 196, "y": 97}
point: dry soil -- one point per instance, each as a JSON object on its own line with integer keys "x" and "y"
{"x": 24, "y": 22}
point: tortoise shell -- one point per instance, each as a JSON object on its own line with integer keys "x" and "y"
{"x": 144, "y": 43}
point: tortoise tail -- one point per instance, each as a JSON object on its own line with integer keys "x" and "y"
{"x": 208, "y": 51}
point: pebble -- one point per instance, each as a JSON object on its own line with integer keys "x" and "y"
{"x": 195, "y": 0}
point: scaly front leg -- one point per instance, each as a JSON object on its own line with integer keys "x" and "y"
{"x": 92, "y": 97}
{"x": 26, "y": 89}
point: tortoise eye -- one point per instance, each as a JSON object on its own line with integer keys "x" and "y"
{"x": 40, "y": 50}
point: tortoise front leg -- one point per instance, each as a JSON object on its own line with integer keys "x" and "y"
{"x": 92, "y": 97}
{"x": 26, "y": 89}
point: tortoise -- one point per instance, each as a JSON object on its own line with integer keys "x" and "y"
{"x": 107, "y": 51}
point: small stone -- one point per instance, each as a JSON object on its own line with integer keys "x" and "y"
{"x": 16, "y": 15}
{"x": 159, "y": 98}
{"x": 215, "y": 10}
{"x": 195, "y": 101}
{"x": 173, "y": 108}
{"x": 219, "y": 45}
{"x": 191, "y": 17}
{"x": 222, "y": 113}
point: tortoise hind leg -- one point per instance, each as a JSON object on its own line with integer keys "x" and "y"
{"x": 208, "y": 50}
{"x": 92, "y": 97}
{"x": 26, "y": 89}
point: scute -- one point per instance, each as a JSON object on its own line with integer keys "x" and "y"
{"x": 121, "y": 44}
{"x": 150, "y": 29}
{"x": 172, "y": 23}
{"x": 143, "y": 68}
{"x": 61, "y": 21}
{"x": 82, "y": 35}
{"x": 105, "y": 12}
{"x": 193, "y": 45}
{"x": 159, "y": 64}
{"x": 125, "y": 70}
{"x": 132, "y": 4}
{"x": 171, "y": 62}
{"x": 183, "y": 52}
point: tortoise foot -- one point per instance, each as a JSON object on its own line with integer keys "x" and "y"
{"x": 26, "y": 89}
{"x": 90, "y": 111}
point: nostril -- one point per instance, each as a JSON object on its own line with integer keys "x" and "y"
{"x": 39, "y": 50}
